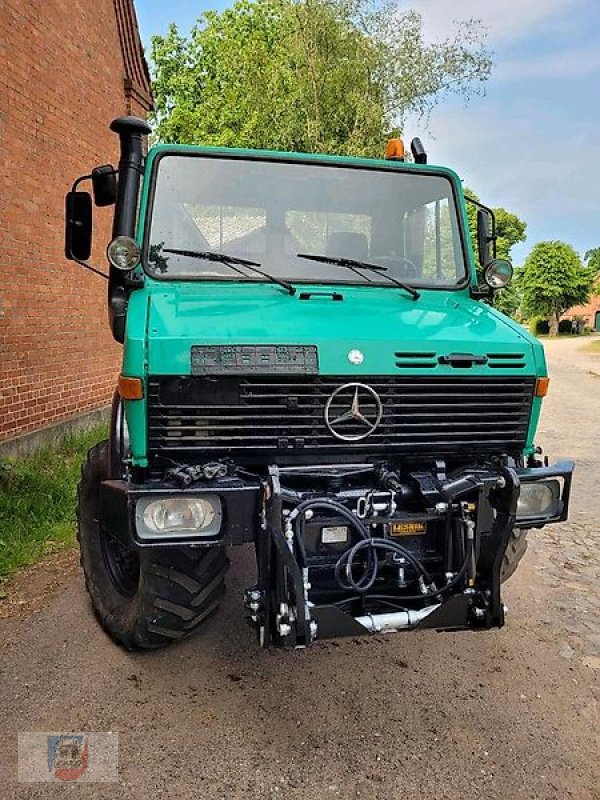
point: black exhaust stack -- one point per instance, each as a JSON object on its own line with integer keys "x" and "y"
{"x": 131, "y": 168}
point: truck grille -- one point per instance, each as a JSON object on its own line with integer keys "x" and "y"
{"x": 257, "y": 418}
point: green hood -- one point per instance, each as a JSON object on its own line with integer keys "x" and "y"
{"x": 379, "y": 322}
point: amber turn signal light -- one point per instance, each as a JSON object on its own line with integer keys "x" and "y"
{"x": 130, "y": 388}
{"x": 395, "y": 149}
{"x": 541, "y": 387}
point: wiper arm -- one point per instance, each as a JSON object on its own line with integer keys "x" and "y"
{"x": 356, "y": 266}
{"x": 231, "y": 261}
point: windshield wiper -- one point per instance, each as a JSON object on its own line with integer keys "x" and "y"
{"x": 231, "y": 261}
{"x": 356, "y": 266}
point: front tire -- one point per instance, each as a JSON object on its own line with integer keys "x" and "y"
{"x": 515, "y": 550}
{"x": 143, "y": 597}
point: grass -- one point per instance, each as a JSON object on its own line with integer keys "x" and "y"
{"x": 592, "y": 347}
{"x": 37, "y": 500}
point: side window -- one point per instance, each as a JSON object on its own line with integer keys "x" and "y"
{"x": 430, "y": 240}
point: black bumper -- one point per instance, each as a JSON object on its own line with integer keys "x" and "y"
{"x": 241, "y": 505}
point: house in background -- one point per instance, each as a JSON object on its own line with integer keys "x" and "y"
{"x": 66, "y": 70}
{"x": 587, "y": 316}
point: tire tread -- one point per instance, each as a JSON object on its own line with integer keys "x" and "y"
{"x": 179, "y": 588}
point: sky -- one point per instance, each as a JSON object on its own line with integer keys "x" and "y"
{"x": 531, "y": 142}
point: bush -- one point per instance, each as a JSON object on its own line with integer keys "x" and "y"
{"x": 565, "y": 326}
{"x": 541, "y": 327}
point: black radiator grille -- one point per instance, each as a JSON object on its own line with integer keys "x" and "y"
{"x": 197, "y": 417}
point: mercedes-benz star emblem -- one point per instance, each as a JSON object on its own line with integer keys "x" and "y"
{"x": 353, "y": 412}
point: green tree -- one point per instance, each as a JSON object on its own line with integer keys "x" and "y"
{"x": 592, "y": 260}
{"x": 553, "y": 280}
{"x": 307, "y": 75}
{"x": 510, "y": 230}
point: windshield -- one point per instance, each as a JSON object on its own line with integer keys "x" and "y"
{"x": 275, "y": 213}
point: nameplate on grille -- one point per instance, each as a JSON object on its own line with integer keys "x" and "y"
{"x": 255, "y": 359}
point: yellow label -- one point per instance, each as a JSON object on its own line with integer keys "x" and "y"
{"x": 407, "y": 528}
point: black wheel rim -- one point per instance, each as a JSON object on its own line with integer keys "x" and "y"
{"x": 122, "y": 563}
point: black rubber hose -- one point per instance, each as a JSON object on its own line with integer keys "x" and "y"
{"x": 369, "y": 575}
{"x": 363, "y": 585}
{"x": 332, "y": 505}
{"x": 398, "y": 602}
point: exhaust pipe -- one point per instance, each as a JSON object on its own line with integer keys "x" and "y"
{"x": 131, "y": 167}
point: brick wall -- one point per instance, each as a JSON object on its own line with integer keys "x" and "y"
{"x": 62, "y": 80}
{"x": 588, "y": 313}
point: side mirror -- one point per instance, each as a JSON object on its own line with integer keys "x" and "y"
{"x": 78, "y": 226}
{"x": 104, "y": 185}
{"x": 483, "y": 236}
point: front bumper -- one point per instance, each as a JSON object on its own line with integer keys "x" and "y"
{"x": 240, "y": 501}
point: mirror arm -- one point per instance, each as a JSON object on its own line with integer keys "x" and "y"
{"x": 479, "y": 292}
{"x": 492, "y": 237}
{"x": 85, "y": 265}
{"x": 79, "y": 180}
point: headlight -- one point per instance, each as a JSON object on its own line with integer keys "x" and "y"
{"x": 174, "y": 517}
{"x": 540, "y": 499}
{"x": 123, "y": 253}
{"x": 498, "y": 273}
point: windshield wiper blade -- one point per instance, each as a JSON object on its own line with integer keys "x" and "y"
{"x": 355, "y": 266}
{"x": 231, "y": 261}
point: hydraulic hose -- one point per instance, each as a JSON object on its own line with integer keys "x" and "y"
{"x": 368, "y": 543}
{"x": 371, "y": 544}
{"x": 399, "y": 601}
{"x": 346, "y": 563}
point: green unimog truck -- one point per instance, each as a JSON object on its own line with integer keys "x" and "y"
{"x": 309, "y": 367}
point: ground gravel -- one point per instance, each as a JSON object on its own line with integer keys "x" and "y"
{"x": 505, "y": 714}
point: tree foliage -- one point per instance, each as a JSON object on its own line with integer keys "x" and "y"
{"x": 592, "y": 260}
{"x": 510, "y": 230}
{"x": 553, "y": 280}
{"x": 307, "y": 75}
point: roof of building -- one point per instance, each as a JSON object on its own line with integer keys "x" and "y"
{"x": 137, "y": 76}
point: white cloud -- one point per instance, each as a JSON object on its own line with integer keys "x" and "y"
{"x": 574, "y": 62}
{"x": 504, "y": 19}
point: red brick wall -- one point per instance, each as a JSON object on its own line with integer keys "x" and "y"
{"x": 61, "y": 83}
{"x": 588, "y": 312}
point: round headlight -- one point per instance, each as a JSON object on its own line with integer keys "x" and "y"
{"x": 498, "y": 273}
{"x": 123, "y": 253}
{"x": 179, "y": 514}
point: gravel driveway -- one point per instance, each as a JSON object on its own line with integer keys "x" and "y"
{"x": 505, "y": 714}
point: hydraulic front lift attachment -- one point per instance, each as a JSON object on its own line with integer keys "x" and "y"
{"x": 278, "y": 604}
{"x": 287, "y": 611}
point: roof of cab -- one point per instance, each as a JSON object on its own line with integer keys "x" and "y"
{"x": 160, "y": 150}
